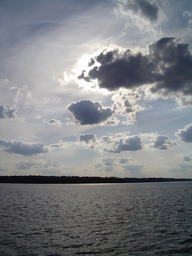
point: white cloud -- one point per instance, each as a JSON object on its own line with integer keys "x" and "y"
{"x": 127, "y": 103}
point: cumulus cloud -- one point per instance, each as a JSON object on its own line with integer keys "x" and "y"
{"x": 121, "y": 143}
{"x": 22, "y": 97}
{"x": 123, "y": 160}
{"x": 162, "y": 142}
{"x": 108, "y": 164}
{"x": 54, "y": 122}
{"x": 89, "y": 112}
{"x": 130, "y": 144}
{"x": 186, "y": 167}
{"x": 147, "y": 8}
{"x": 7, "y": 112}
{"x": 22, "y": 148}
{"x": 127, "y": 103}
{"x": 187, "y": 158}
{"x": 146, "y": 15}
{"x": 122, "y": 70}
{"x": 107, "y": 161}
{"x": 157, "y": 141}
{"x": 188, "y": 16}
{"x": 27, "y": 165}
{"x": 185, "y": 134}
{"x": 124, "y": 142}
{"x": 166, "y": 68}
{"x": 133, "y": 168}
{"x": 105, "y": 164}
{"x": 174, "y": 64}
{"x": 87, "y": 138}
{"x": 36, "y": 164}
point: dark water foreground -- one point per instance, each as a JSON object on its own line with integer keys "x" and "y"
{"x": 106, "y": 219}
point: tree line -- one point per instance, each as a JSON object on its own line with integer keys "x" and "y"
{"x": 39, "y": 179}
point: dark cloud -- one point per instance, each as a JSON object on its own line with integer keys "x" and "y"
{"x": 89, "y": 112}
{"x": 123, "y": 143}
{"x": 187, "y": 158}
{"x": 162, "y": 142}
{"x": 107, "y": 57}
{"x": 173, "y": 66}
{"x": 126, "y": 70}
{"x": 146, "y": 8}
{"x": 128, "y": 106}
{"x": 21, "y": 148}
{"x": 92, "y": 62}
{"x": 185, "y": 134}
{"x": 7, "y": 112}
{"x": 87, "y": 138}
{"x": 123, "y": 160}
{"x": 166, "y": 68}
{"x": 53, "y": 122}
{"x": 82, "y": 76}
{"x": 130, "y": 144}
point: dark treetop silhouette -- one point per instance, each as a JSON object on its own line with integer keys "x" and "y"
{"x": 77, "y": 180}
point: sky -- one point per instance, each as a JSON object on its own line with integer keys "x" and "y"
{"x": 96, "y": 88}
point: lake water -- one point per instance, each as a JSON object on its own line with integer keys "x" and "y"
{"x": 106, "y": 219}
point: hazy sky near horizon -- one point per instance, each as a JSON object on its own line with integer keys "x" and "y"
{"x": 96, "y": 88}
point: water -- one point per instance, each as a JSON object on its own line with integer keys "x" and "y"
{"x": 114, "y": 219}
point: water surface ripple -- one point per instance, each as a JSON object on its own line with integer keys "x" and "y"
{"x": 114, "y": 219}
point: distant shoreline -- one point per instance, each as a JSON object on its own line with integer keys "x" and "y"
{"x": 38, "y": 179}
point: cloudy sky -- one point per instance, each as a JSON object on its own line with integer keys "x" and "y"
{"x": 96, "y": 88}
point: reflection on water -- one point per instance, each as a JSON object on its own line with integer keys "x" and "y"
{"x": 116, "y": 219}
